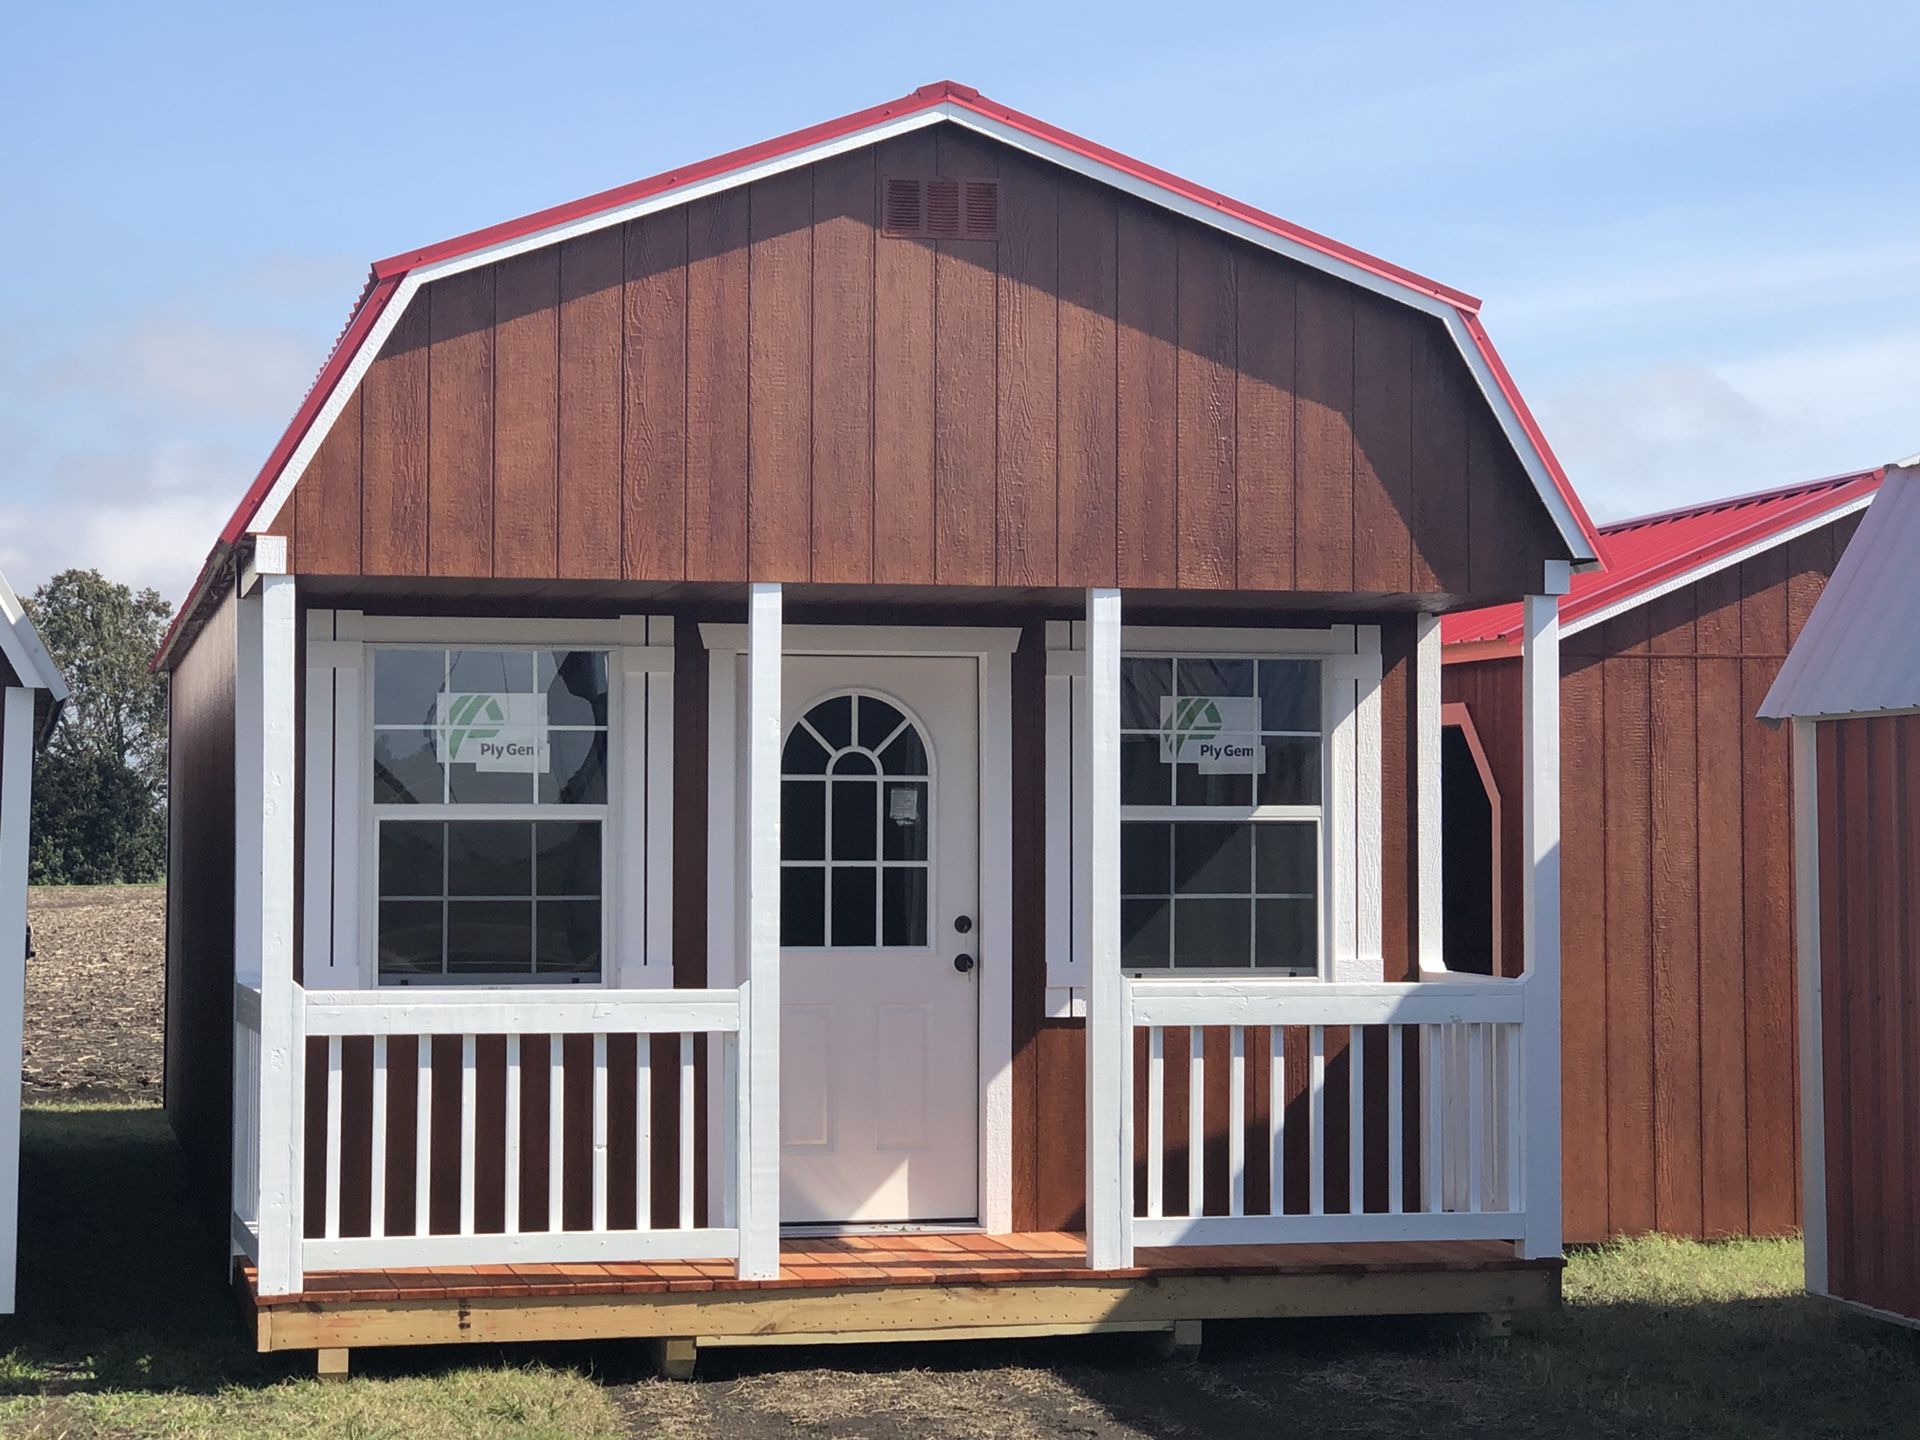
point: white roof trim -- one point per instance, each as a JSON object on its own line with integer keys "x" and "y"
{"x": 1509, "y": 420}
{"x": 1714, "y": 567}
{"x": 21, "y": 644}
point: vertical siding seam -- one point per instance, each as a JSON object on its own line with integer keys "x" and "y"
{"x": 873, "y": 371}
{"x": 493, "y": 422}
{"x": 813, "y": 357}
{"x": 1114, "y": 206}
{"x": 559, "y": 400}
{"x": 1058, "y": 446}
{"x": 1606, "y": 970}
{"x": 1232, "y": 393}
{"x": 1293, "y": 437}
{"x": 426, "y": 438}
{"x": 1178, "y": 350}
{"x": 746, "y": 459}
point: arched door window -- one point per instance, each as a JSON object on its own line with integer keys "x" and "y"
{"x": 854, "y": 827}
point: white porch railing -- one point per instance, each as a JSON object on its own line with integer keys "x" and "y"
{"x": 1316, "y": 1056}
{"x": 403, "y": 1030}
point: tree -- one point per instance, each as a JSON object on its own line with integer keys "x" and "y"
{"x": 99, "y": 804}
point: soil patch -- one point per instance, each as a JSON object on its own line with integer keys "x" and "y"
{"x": 96, "y": 989}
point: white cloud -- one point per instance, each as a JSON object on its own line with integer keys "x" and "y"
{"x": 175, "y": 365}
{"x": 1644, "y": 440}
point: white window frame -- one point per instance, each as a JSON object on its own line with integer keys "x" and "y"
{"x": 341, "y": 883}
{"x": 1349, "y": 813}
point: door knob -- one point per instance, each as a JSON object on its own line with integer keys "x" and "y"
{"x": 963, "y": 963}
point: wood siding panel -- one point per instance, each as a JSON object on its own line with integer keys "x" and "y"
{"x": 966, "y": 384}
{"x": 843, "y": 379}
{"x": 1630, "y": 1108}
{"x": 1323, "y": 436}
{"x": 1723, "y": 722}
{"x": 1205, "y": 523}
{"x": 758, "y": 383}
{"x": 716, "y": 513}
{"x": 656, "y": 373}
{"x": 1382, "y": 449}
{"x": 200, "y": 853}
{"x": 1264, "y": 416}
{"x": 780, "y": 378}
{"x": 1089, "y": 457}
{"x": 903, "y": 387}
{"x": 1585, "y": 1167}
{"x": 590, "y": 465}
{"x": 327, "y": 503}
{"x": 526, "y": 420}
{"x": 1027, "y": 504}
{"x": 1676, "y": 947}
{"x": 1149, "y": 387}
{"x": 393, "y": 428}
{"x": 460, "y": 315}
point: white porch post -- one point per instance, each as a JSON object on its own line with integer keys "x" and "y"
{"x": 1540, "y": 895}
{"x": 759, "y": 1188}
{"x": 1109, "y": 1026}
{"x": 16, "y": 803}
{"x": 263, "y": 900}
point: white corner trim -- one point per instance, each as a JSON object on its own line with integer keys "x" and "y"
{"x": 1713, "y": 567}
{"x": 1430, "y": 829}
{"x": 1111, "y": 176}
{"x": 758, "y": 1195}
{"x": 1540, "y": 909}
{"x": 1109, "y": 1050}
{"x": 1806, "y": 927}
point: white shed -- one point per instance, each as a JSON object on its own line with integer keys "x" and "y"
{"x": 34, "y": 693}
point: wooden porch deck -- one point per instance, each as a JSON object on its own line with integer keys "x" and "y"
{"x": 895, "y": 1286}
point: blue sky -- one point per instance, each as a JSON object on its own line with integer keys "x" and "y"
{"x": 1696, "y": 226}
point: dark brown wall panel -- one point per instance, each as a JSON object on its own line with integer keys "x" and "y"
{"x": 716, "y": 513}
{"x": 590, "y": 469}
{"x": 1026, "y": 510}
{"x": 393, "y": 430}
{"x": 760, "y": 384}
{"x": 903, "y": 387}
{"x": 1266, "y": 327}
{"x": 1149, "y": 388}
{"x": 843, "y": 290}
{"x": 1679, "y": 1035}
{"x": 1323, "y": 435}
{"x": 460, "y": 439}
{"x": 656, "y": 375}
{"x": 1206, "y": 475}
{"x": 200, "y": 855}
{"x": 780, "y": 377}
{"x": 526, "y": 423}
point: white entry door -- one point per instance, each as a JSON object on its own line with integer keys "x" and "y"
{"x": 879, "y": 1033}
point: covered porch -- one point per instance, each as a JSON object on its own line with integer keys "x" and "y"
{"x": 509, "y": 1150}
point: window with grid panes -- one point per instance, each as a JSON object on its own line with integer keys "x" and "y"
{"x": 1221, "y": 806}
{"x": 490, "y": 814}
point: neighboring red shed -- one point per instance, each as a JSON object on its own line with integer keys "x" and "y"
{"x": 1678, "y": 1101}
{"x": 1851, "y": 687}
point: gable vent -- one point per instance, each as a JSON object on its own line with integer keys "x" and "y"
{"x": 938, "y": 208}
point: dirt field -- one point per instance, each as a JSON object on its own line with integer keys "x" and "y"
{"x": 95, "y": 991}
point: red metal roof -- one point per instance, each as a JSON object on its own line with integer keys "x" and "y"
{"x": 387, "y": 275}
{"x": 1650, "y": 551}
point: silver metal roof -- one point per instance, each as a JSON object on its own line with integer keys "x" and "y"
{"x": 1860, "y": 651}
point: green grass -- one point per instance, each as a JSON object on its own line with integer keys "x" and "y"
{"x": 125, "y": 1328}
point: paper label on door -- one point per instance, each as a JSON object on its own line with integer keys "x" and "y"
{"x": 903, "y": 805}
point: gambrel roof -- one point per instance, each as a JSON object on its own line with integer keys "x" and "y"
{"x": 1653, "y": 555}
{"x": 393, "y": 282}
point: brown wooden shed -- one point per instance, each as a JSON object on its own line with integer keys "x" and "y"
{"x": 1851, "y": 688}
{"x": 664, "y": 791}
{"x": 1678, "y": 1094}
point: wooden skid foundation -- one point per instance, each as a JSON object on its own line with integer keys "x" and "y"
{"x": 1009, "y": 1305}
